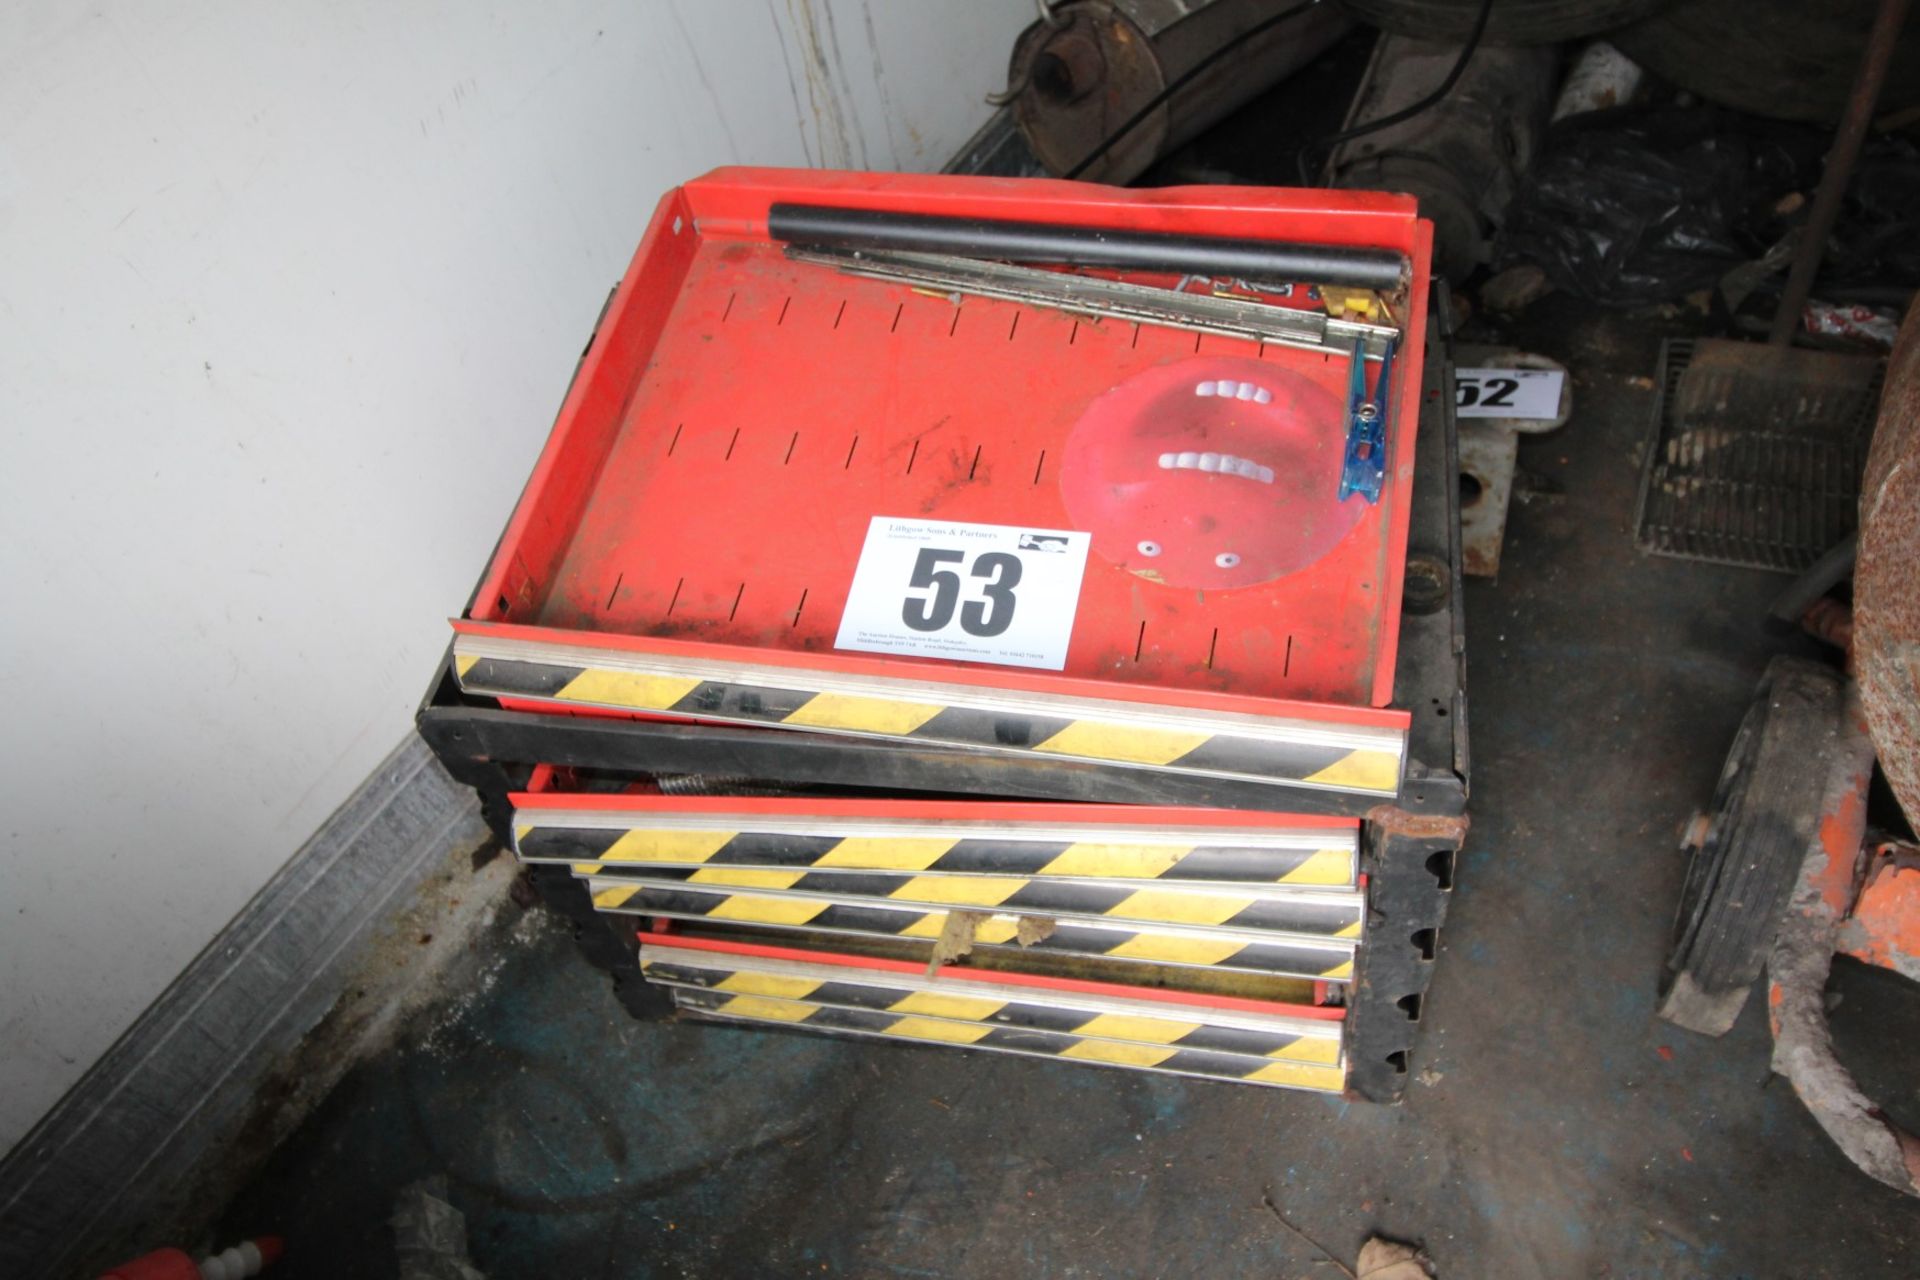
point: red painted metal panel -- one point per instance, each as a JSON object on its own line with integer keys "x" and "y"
{"x": 1009, "y": 812}
{"x": 742, "y": 416}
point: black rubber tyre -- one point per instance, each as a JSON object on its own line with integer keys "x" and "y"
{"x": 1765, "y": 808}
{"x": 1786, "y": 59}
{"x": 1511, "y": 22}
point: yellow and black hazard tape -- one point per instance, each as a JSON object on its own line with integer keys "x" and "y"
{"x": 1172, "y": 1059}
{"x": 1184, "y": 1026}
{"x": 1316, "y": 913}
{"x": 1362, "y": 759}
{"x": 1245, "y": 950}
{"x": 1322, "y": 857}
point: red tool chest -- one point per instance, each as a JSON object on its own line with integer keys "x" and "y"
{"x": 1078, "y": 481}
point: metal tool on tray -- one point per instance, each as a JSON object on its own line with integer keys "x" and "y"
{"x": 1365, "y": 465}
{"x": 980, "y": 256}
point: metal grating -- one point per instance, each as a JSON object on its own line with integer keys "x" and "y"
{"x": 1755, "y": 454}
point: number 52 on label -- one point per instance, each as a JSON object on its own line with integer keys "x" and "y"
{"x": 1508, "y": 393}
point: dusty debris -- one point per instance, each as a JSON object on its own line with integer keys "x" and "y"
{"x": 430, "y": 1235}
{"x": 963, "y": 927}
{"x": 1515, "y": 289}
{"x": 1032, "y": 929}
{"x": 956, "y": 938}
{"x": 441, "y": 1005}
{"x": 1384, "y": 1259}
{"x": 1266, "y": 1198}
{"x": 399, "y": 984}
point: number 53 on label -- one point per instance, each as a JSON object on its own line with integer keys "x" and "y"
{"x": 1003, "y": 594}
{"x": 990, "y": 615}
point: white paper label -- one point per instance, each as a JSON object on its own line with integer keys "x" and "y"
{"x": 970, "y": 592}
{"x": 1509, "y": 393}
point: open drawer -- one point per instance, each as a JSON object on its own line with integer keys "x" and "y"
{"x": 1195, "y": 893}
{"x": 790, "y": 489}
{"x": 1212, "y": 1037}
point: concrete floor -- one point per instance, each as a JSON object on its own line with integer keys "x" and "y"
{"x": 1555, "y": 1127}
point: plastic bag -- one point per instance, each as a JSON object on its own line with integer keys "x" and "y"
{"x": 1640, "y": 206}
{"x": 1627, "y": 212}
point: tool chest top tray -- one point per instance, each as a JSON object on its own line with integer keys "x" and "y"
{"x": 741, "y": 416}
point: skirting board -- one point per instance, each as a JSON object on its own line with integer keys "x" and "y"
{"x": 111, "y": 1156}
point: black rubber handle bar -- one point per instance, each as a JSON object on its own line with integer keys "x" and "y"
{"x": 871, "y": 229}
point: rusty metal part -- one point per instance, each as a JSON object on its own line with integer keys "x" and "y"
{"x": 1743, "y": 867}
{"x": 1387, "y": 820}
{"x": 1490, "y": 454}
{"x": 1463, "y": 157}
{"x": 1839, "y": 168}
{"x": 1790, "y": 608}
{"x": 1883, "y": 928}
{"x": 1754, "y": 454}
{"x": 1084, "y": 73}
{"x": 1801, "y": 959}
{"x": 1771, "y": 807}
{"x": 1830, "y": 621}
{"x": 709, "y": 784}
{"x": 1428, "y": 587}
{"x": 1886, "y": 580}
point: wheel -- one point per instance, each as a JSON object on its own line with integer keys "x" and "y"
{"x": 1786, "y": 59}
{"x": 1511, "y": 22}
{"x": 1748, "y": 850}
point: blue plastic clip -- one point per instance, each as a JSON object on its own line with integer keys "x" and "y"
{"x": 1365, "y": 467}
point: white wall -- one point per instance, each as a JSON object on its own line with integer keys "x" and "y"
{"x": 288, "y": 295}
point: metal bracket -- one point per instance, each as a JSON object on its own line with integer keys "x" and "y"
{"x": 1101, "y": 298}
{"x": 1365, "y": 467}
